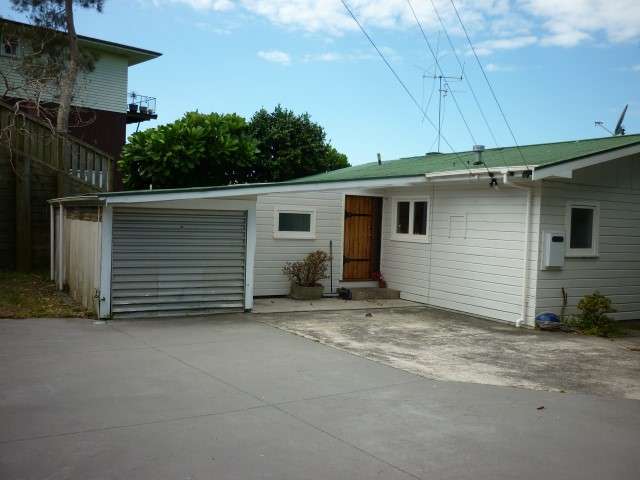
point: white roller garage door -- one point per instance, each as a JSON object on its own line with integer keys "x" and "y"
{"x": 168, "y": 262}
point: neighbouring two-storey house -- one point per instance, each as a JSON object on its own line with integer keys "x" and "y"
{"x": 34, "y": 166}
{"x": 101, "y": 95}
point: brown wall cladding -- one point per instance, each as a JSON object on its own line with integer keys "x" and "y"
{"x": 44, "y": 186}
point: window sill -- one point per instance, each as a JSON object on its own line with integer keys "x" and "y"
{"x": 410, "y": 239}
{"x": 582, "y": 255}
{"x": 288, "y": 236}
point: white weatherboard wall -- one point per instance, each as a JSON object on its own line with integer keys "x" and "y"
{"x": 82, "y": 260}
{"x": 615, "y": 186}
{"x": 272, "y": 253}
{"x": 473, "y": 261}
{"x": 104, "y": 88}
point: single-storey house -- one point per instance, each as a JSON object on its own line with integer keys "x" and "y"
{"x": 503, "y": 233}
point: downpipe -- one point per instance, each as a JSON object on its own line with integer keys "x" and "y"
{"x": 527, "y": 246}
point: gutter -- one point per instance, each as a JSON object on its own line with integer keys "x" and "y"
{"x": 476, "y": 174}
{"x": 527, "y": 246}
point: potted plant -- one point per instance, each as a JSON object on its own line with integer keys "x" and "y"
{"x": 305, "y": 275}
{"x": 133, "y": 106}
{"x": 382, "y": 283}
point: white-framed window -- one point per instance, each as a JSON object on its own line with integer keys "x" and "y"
{"x": 583, "y": 227}
{"x": 294, "y": 222}
{"x": 9, "y": 46}
{"x": 410, "y": 217}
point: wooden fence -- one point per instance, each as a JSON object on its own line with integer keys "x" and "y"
{"x": 27, "y": 136}
{"x": 40, "y": 165}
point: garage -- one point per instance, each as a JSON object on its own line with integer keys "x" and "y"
{"x": 177, "y": 262}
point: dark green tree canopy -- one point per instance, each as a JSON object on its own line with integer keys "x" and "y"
{"x": 196, "y": 150}
{"x": 214, "y": 149}
{"x": 51, "y": 13}
{"x": 291, "y": 146}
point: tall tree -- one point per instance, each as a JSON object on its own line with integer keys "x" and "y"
{"x": 291, "y": 146}
{"x": 213, "y": 149}
{"x": 196, "y": 150}
{"x": 58, "y": 15}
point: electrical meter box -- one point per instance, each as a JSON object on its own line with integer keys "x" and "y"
{"x": 554, "y": 249}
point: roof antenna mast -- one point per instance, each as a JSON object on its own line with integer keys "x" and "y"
{"x": 619, "y": 130}
{"x": 442, "y": 96}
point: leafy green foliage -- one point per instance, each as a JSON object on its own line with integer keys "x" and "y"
{"x": 308, "y": 272}
{"x": 51, "y": 13}
{"x": 291, "y": 146}
{"x": 213, "y": 149}
{"x": 196, "y": 150}
{"x": 592, "y": 318}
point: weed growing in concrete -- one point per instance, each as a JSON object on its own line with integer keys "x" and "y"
{"x": 592, "y": 318}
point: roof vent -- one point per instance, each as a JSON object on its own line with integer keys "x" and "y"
{"x": 478, "y": 149}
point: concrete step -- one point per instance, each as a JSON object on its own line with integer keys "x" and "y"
{"x": 374, "y": 293}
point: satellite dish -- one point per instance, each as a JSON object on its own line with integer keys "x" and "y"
{"x": 619, "y": 127}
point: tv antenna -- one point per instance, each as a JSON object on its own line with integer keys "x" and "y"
{"x": 619, "y": 130}
{"x": 443, "y": 92}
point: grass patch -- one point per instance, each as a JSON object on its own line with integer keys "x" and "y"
{"x": 25, "y": 295}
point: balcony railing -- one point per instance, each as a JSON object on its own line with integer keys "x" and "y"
{"x": 141, "y": 108}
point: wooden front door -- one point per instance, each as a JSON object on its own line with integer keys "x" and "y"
{"x": 362, "y": 226}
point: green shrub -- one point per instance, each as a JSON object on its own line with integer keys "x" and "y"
{"x": 309, "y": 271}
{"x": 592, "y": 318}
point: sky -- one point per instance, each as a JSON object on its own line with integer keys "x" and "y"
{"x": 556, "y": 66}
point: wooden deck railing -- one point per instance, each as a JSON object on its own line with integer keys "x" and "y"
{"x": 29, "y": 136}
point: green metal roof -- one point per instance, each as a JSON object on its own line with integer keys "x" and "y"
{"x": 541, "y": 155}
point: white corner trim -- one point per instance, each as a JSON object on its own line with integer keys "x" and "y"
{"x": 52, "y": 242}
{"x": 105, "y": 262}
{"x": 278, "y": 234}
{"x": 61, "y": 248}
{"x": 250, "y": 257}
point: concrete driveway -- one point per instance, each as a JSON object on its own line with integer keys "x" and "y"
{"x": 231, "y": 398}
{"x": 448, "y": 346}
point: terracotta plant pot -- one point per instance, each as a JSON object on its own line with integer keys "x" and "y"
{"x": 299, "y": 292}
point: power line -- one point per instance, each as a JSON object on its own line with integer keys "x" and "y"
{"x": 435, "y": 57}
{"x": 404, "y": 86}
{"x": 466, "y": 78}
{"x": 493, "y": 93}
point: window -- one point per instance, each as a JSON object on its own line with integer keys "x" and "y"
{"x": 9, "y": 47}
{"x": 402, "y": 218}
{"x": 410, "y": 219}
{"x": 420, "y": 218}
{"x": 294, "y": 222}
{"x": 582, "y": 224}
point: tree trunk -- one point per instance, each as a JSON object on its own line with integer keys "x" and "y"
{"x": 68, "y": 80}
